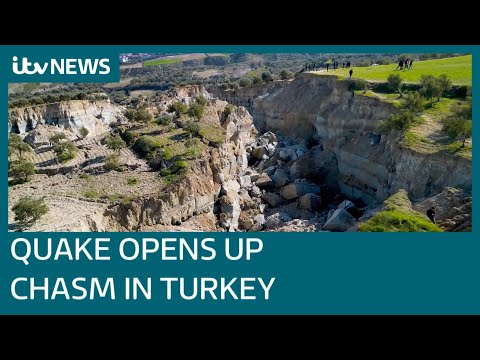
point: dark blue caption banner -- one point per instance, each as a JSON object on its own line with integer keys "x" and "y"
{"x": 258, "y": 273}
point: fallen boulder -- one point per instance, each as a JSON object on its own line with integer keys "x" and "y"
{"x": 259, "y": 152}
{"x": 340, "y": 220}
{"x": 272, "y": 199}
{"x": 264, "y": 181}
{"x": 255, "y": 191}
{"x": 230, "y": 206}
{"x": 279, "y": 178}
{"x": 310, "y": 202}
{"x": 267, "y": 138}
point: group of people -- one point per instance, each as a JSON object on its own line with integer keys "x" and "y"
{"x": 405, "y": 64}
{"x": 334, "y": 65}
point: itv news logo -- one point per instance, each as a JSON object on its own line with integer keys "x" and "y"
{"x": 24, "y": 66}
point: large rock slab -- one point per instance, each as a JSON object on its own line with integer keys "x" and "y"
{"x": 310, "y": 202}
{"x": 272, "y": 199}
{"x": 340, "y": 220}
{"x": 279, "y": 178}
{"x": 264, "y": 181}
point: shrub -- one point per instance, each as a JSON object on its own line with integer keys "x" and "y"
{"x": 228, "y": 110}
{"x": 132, "y": 181}
{"x": 14, "y": 139}
{"x": 461, "y": 91}
{"x": 146, "y": 145}
{"x": 85, "y": 176}
{"x": 83, "y": 132}
{"x": 29, "y": 209}
{"x": 180, "y": 164}
{"x": 57, "y": 138}
{"x": 115, "y": 143}
{"x": 130, "y": 137}
{"x": 286, "y": 74}
{"x": 431, "y": 87}
{"x": 112, "y": 162}
{"x": 414, "y": 102}
{"x": 22, "y": 169}
{"x": 167, "y": 154}
{"x": 244, "y": 82}
{"x": 143, "y": 115}
{"x": 401, "y": 121}
{"x": 357, "y": 84}
{"x": 256, "y": 80}
{"x": 165, "y": 172}
{"x": 65, "y": 151}
{"x": 130, "y": 114}
{"x": 444, "y": 84}
{"x": 201, "y": 100}
{"x": 193, "y": 128}
{"x": 459, "y": 124}
{"x": 196, "y": 110}
{"x": 164, "y": 120}
{"x": 394, "y": 81}
{"x": 266, "y": 76}
{"x": 91, "y": 194}
{"x": 192, "y": 142}
{"x": 179, "y": 108}
{"x": 17, "y": 145}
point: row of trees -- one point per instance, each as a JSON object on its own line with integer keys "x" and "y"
{"x": 431, "y": 87}
{"x": 457, "y": 125}
{"x": 50, "y": 98}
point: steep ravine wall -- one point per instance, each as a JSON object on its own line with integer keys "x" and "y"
{"x": 71, "y": 115}
{"x": 322, "y": 107}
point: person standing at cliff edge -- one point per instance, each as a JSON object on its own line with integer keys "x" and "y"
{"x": 351, "y": 73}
{"x": 431, "y": 214}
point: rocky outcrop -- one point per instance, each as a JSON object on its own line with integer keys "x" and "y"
{"x": 211, "y": 185}
{"x": 70, "y": 115}
{"x": 453, "y": 209}
{"x": 193, "y": 194}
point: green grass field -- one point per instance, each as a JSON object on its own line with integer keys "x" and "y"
{"x": 157, "y": 62}
{"x": 458, "y": 69}
{"x": 398, "y": 216}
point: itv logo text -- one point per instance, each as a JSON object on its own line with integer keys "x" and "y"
{"x": 61, "y": 66}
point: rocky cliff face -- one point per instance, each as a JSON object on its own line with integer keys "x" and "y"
{"x": 212, "y": 178}
{"x": 310, "y": 106}
{"x": 70, "y": 115}
{"x": 371, "y": 165}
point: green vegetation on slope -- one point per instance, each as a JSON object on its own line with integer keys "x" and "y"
{"x": 458, "y": 69}
{"x": 427, "y": 138}
{"x": 167, "y": 61}
{"x": 398, "y": 216}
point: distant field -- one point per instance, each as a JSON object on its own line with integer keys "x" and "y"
{"x": 179, "y": 58}
{"x": 458, "y": 69}
{"x": 167, "y": 61}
